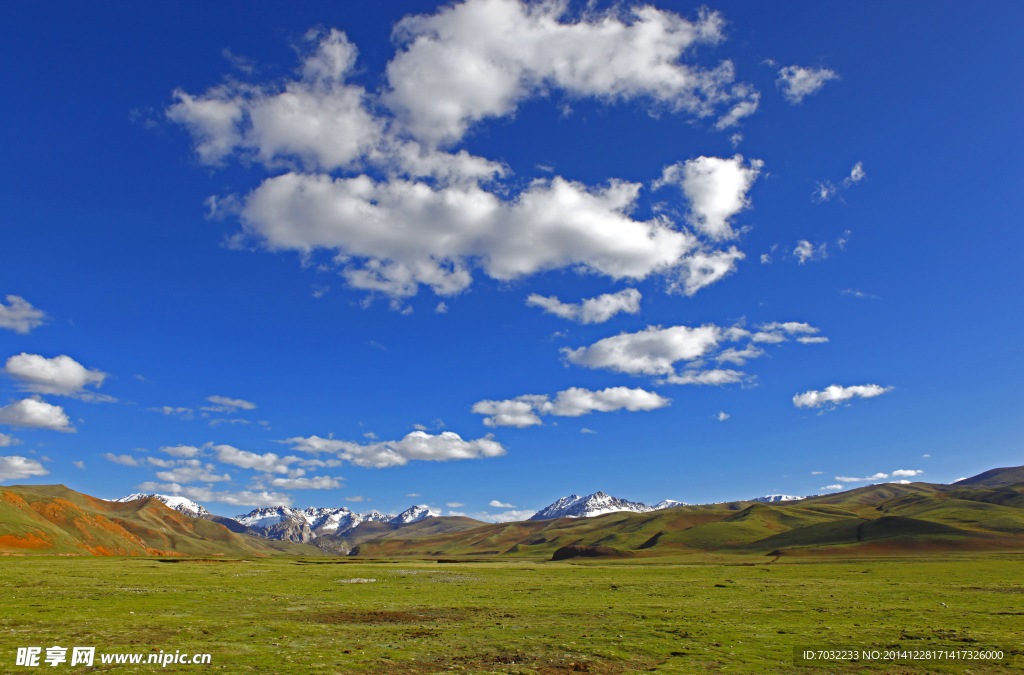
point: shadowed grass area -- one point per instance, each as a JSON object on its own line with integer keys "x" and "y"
{"x": 691, "y": 614}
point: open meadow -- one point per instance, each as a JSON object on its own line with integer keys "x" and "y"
{"x": 685, "y": 614}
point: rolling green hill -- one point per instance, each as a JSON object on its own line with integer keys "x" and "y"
{"x": 48, "y": 519}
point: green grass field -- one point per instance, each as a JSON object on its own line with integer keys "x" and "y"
{"x": 687, "y": 614}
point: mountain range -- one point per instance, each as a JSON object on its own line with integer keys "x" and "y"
{"x": 982, "y": 513}
{"x": 284, "y": 523}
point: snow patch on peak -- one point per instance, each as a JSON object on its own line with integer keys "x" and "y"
{"x": 414, "y": 514}
{"x": 595, "y": 504}
{"x": 180, "y": 504}
{"x": 777, "y": 498}
{"x": 668, "y": 504}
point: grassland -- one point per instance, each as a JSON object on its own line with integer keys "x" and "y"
{"x": 686, "y": 614}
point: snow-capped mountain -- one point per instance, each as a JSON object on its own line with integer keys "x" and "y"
{"x": 667, "y": 504}
{"x": 186, "y": 506}
{"x": 304, "y": 525}
{"x": 414, "y": 514}
{"x": 776, "y": 498}
{"x": 596, "y": 504}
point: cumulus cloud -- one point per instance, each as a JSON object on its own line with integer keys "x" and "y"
{"x": 421, "y": 215}
{"x": 61, "y": 375}
{"x": 123, "y": 460}
{"x": 836, "y": 394}
{"x": 656, "y": 351}
{"x": 812, "y": 340}
{"x": 857, "y": 174}
{"x": 832, "y": 487}
{"x": 798, "y": 82}
{"x": 482, "y": 58}
{"x": 267, "y": 462}
{"x": 524, "y": 411}
{"x": 185, "y": 413}
{"x": 804, "y": 251}
{"x": 503, "y": 517}
{"x": 191, "y": 471}
{"x": 716, "y": 189}
{"x": 7, "y": 441}
{"x": 722, "y": 416}
{"x": 15, "y": 467}
{"x": 316, "y": 483}
{"x": 591, "y": 310}
{"x": 900, "y": 473}
{"x": 653, "y": 351}
{"x": 498, "y": 505}
{"x": 876, "y": 476}
{"x": 19, "y": 315}
{"x": 227, "y": 405}
{"x": 826, "y": 190}
{"x": 182, "y": 451}
{"x": 206, "y": 494}
{"x": 417, "y": 445}
{"x": 34, "y": 413}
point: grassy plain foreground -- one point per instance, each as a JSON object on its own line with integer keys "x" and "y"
{"x": 687, "y": 614}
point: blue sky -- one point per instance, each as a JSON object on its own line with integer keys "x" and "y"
{"x": 340, "y": 254}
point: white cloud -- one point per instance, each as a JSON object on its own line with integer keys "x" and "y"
{"x": 228, "y": 405}
{"x": 798, "y": 82}
{"x": 267, "y": 462}
{"x": 926, "y": 455}
{"x": 812, "y": 340}
{"x": 716, "y": 188}
{"x": 715, "y": 377}
{"x": 766, "y": 259}
{"x": 591, "y": 310}
{"x": 805, "y": 251}
{"x": 657, "y": 350}
{"x": 19, "y": 315}
{"x": 857, "y": 174}
{"x": 220, "y": 420}
{"x": 79, "y": 465}
{"x": 524, "y": 411}
{"x": 498, "y": 505}
{"x": 652, "y": 351}
{"x": 504, "y": 517}
{"x": 848, "y": 479}
{"x": 15, "y": 467}
{"x": 441, "y": 308}
{"x": 898, "y": 473}
{"x": 832, "y": 487}
{"x": 316, "y": 483}
{"x": 722, "y": 416}
{"x": 61, "y": 375}
{"x": 417, "y": 445}
{"x": 825, "y": 191}
{"x": 189, "y": 471}
{"x": 185, "y": 413}
{"x": 481, "y": 58}
{"x": 836, "y": 394}
{"x": 413, "y": 494}
{"x": 359, "y": 498}
{"x": 857, "y": 294}
{"x": 746, "y": 107}
{"x": 454, "y": 505}
{"x": 34, "y": 413}
{"x": 162, "y": 463}
{"x": 7, "y": 441}
{"x": 182, "y": 451}
{"x": 123, "y": 460}
{"x": 465, "y": 63}
{"x": 585, "y": 430}
{"x": 817, "y": 473}
{"x": 206, "y": 494}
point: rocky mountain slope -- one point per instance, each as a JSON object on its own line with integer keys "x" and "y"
{"x": 179, "y": 504}
{"x": 306, "y": 525}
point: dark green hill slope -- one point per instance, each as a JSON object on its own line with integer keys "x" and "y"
{"x": 995, "y": 477}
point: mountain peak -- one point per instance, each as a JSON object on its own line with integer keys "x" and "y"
{"x": 595, "y": 504}
{"x": 180, "y": 504}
